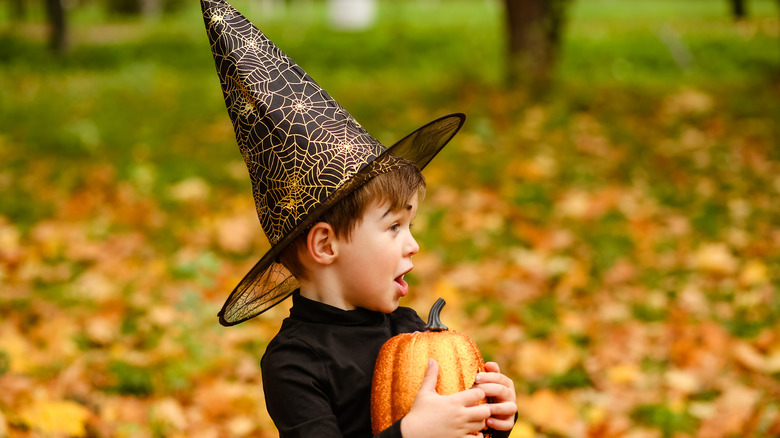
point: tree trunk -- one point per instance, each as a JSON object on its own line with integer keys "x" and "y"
{"x": 738, "y": 9}
{"x": 58, "y": 36}
{"x": 124, "y": 7}
{"x": 535, "y": 28}
{"x": 17, "y": 10}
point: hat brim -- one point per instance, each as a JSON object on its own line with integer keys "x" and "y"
{"x": 268, "y": 283}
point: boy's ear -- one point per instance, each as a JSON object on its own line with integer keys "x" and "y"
{"x": 320, "y": 243}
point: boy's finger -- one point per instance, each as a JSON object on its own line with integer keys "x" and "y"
{"x": 470, "y": 397}
{"x": 501, "y": 424}
{"x": 490, "y": 377}
{"x": 431, "y": 376}
{"x": 507, "y": 409}
{"x": 492, "y": 367}
{"x": 477, "y": 415}
{"x": 495, "y": 390}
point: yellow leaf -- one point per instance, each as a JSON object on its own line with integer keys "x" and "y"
{"x": 754, "y": 272}
{"x": 3, "y": 426}
{"x": 522, "y": 429}
{"x": 688, "y": 101}
{"x": 536, "y": 359}
{"x": 10, "y": 238}
{"x": 17, "y": 347}
{"x": 575, "y": 204}
{"x": 190, "y": 190}
{"x": 595, "y": 414}
{"x": 241, "y": 425}
{"x": 56, "y": 417}
{"x": 715, "y": 258}
{"x": 625, "y": 373}
{"x": 446, "y": 290}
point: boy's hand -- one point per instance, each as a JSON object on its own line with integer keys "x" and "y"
{"x": 502, "y": 391}
{"x": 447, "y": 416}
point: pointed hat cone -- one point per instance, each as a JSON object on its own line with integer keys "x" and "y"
{"x": 304, "y": 152}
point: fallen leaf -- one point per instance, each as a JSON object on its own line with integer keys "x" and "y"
{"x": 3, "y": 426}
{"x": 575, "y": 205}
{"x": 169, "y": 414}
{"x": 732, "y": 409}
{"x": 549, "y": 411}
{"x": 751, "y": 358}
{"x": 522, "y": 429}
{"x": 754, "y": 272}
{"x": 624, "y": 373}
{"x": 103, "y": 329}
{"x": 10, "y": 239}
{"x": 687, "y": 101}
{"x": 189, "y": 190}
{"x": 240, "y": 426}
{"x": 237, "y": 233}
{"x": 124, "y": 410}
{"x": 715, "y": 258}
{"x": 96, "y": 286}
{"x": 219, "y": 398}
{"x": 17, "y": 347}
{"x": 56, "y": 417}
{"x": 685, "y": 382}
{"x": 536, "y": 359}
{"x": 643, "y": 432}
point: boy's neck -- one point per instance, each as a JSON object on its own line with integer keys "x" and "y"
{"x": 324, "y": 296}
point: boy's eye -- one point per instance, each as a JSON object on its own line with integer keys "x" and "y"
{"x": 395, "y": 228}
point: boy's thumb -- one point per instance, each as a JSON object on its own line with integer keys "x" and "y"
{"x": 431, "y": 376}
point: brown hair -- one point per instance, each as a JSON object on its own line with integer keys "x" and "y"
{"x": 395, "y": 187}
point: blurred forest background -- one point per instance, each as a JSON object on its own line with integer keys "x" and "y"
{"x": 606, "y": 226}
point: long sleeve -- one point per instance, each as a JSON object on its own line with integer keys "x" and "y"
{"x": 295, "y": 398}
{"x": 394, "y": 431}
{"x": 499, "y": 433}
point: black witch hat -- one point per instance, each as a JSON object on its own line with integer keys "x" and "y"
{"x": 304, "y": 152}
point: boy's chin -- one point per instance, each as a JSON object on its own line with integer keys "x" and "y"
{"x": 389, "y": 307}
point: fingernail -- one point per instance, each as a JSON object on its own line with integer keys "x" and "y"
{"x": 477, "y": 379}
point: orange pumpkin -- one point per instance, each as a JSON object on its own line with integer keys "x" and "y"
{"x": 403, "y": 359}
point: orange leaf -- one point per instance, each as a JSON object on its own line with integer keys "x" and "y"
{"x": 549, "y": 411}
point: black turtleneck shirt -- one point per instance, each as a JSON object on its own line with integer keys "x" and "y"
{"x": 317, "y": 370}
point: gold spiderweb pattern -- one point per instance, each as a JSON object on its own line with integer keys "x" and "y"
{"x": 299, "y": 144}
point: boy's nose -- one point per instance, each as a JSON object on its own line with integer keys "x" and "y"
{"x": 412, "y": 247}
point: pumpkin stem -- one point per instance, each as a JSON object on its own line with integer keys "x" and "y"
{"x": 434, "y": 323}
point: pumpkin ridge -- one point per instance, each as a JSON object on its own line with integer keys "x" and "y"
{"x": 404, "y": 351}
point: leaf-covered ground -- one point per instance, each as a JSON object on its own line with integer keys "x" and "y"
{"x": 614, "y": 245}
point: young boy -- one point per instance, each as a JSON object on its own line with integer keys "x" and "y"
{"x": 351, "y": 267}
{"x": 337, "y": 207}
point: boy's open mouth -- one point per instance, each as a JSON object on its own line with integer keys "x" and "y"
{"x": 403, "y": 286}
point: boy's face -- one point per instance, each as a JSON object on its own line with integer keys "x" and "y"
{"x": 371, "y": 265}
